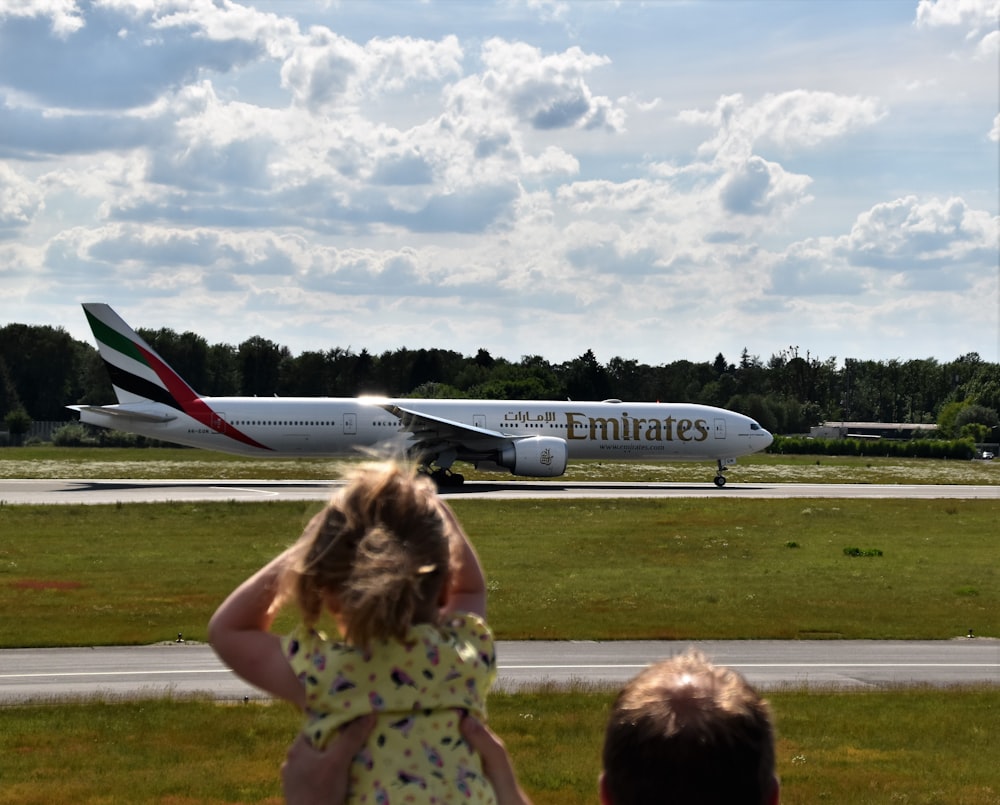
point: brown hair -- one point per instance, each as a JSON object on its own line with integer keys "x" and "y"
{"x": 687, "y": 731}
{"x": 378, "y": 552}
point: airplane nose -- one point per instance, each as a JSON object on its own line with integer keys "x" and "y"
{"x": 767, "y": 437}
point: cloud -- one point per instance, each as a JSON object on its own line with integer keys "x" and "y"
{"x": 759, "y": 187}
{"x": 898, "y": 246}
{"x": 288, "y": 175}
{"x": 544, "y": 92}
{"x": 906, "y": 235}
{"x": 980, "y": 18}
{"x": 125, "y": 55}
{"x": 471, "y": 211}
{"x": 370, "y": 272}
{"x": 63, "y": 15}
{"x": 325, "y": 70}
{"x": 791, "y": 120}
{"x": 35, "y": 133}
{"x": 20, "y": 201}
{"x": 547, "y": 10}
{"x": 746, "y": 183}
{"x": 975, "y": 15}
{"x": 811, "y": 268}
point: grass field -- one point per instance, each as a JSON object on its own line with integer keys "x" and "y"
{"x": 695, "y": 568}
{"x": 910, "y": 746}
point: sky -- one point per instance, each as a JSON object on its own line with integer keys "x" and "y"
{"x": 655, "y": 181}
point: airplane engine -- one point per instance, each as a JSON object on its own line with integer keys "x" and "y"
{"x": 540, "y": 456}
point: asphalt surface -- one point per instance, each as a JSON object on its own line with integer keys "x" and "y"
{"x": 41, "y": 675}
{"x": 61, "y": 491}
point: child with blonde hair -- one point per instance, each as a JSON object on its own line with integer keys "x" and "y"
{"x": 389, "y": 561}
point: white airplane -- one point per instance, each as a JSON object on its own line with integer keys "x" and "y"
{"x": 527, "y": 438}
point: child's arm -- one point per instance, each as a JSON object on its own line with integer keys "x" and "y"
{"x": 497, "y": 765}
{"x": 466, "y": 583}
{"x": 238, "y": 631}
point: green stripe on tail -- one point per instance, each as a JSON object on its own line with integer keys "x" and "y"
{"x": 113, "y": 339}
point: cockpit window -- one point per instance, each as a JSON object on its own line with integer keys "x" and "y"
{"x": 754, "y": 426}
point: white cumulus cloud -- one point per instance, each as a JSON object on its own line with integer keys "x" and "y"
{"x": 910, "y": 235}
{"x": 794, "y": 119}
{"x": 980, "y": 19}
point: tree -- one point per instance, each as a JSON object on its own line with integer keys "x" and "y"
{"x": 585, "y": 378}
{"x": 360, "y": 374}
{"x": 222, "y": 371}
{"x": 983, "y": 388}
{"x": 309, "y": 374}
{"x": 756, "y": 407}
{"x": 92, "y": 379}
{"x": 187, "y": 353}
{"x": 974, "y": 431}
{"x": 751, "y": 376}
{"x": 260, "y": 366}
{"x": 947, "y": 418}
{"x": 41, "y": 365}
{"x": 484, "y": 359}
{"x": 8, "y": 393}
{"x": 976, "y": 421}
{"x": 18, "y": 423}
{"x": 625, "y": 379}
{"x": 530, "y": 379}
{"x": 720, "y": 366}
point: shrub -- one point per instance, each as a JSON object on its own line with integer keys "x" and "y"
{"x": 73, "y": 434}
{"x": 860, "y": 552}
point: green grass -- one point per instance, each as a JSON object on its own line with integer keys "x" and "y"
{"x": 693, "y": 568}
{"x": 919, "y": 745}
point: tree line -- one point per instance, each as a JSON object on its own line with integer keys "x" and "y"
{"x": 42, "y": 369}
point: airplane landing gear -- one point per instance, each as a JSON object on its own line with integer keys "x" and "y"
{"x": 720, "y": 479}
{"x": 446, "y": 478}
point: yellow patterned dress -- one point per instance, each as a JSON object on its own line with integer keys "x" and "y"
{"x": 419, "y": 689}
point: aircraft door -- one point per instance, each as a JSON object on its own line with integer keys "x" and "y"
{"x": 218, "y": 422}
{"x": 479, "y": 421}
{"x": 720, "y": 429}
{"x": 350, "y": 424}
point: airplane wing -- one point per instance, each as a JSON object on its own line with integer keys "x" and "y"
{"x": 434, "y": 430}
{"x": 442, "y": 441}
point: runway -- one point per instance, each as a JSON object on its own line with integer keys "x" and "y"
{"x": 42, "y": 675}
{"x": 72, "y": 491}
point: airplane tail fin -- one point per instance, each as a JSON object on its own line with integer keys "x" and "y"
{"x": 137, "y": 373}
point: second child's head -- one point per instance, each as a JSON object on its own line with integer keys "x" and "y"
{"x": 685, "y": 730}
{"x": 377, "y": 555}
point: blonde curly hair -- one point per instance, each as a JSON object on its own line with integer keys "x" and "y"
{"x": 377, "y": 555}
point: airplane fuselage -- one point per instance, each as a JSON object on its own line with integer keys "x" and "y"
{"x": 526, "y": 437}
{"x": 331, "y": 427}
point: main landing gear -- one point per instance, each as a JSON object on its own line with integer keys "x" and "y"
{"x": 446, "y": 478}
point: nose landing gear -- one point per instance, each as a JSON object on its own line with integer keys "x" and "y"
{"x": 720, "y": 478}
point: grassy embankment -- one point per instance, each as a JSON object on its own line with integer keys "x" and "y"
{"x": 46, "y": 461}
{"x": 912, "y": 746}
{"x": 688, "y": 568}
